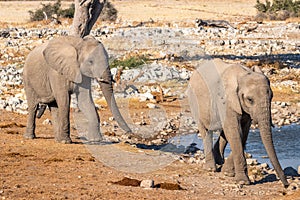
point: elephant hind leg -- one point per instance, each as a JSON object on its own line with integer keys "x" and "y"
{"x": 42, "y": 108}
{"x": 210, "y": 164}
{"x": 219, "y": 149}
{"x": 32, "y": 109}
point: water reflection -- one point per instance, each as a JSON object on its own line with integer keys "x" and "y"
{"x": 286, "y": 142}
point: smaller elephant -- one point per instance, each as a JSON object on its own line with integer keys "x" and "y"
{"x": 229, "y": 97}
{"x": 60, "y": 67}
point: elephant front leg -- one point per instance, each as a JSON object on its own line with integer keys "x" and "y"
{"x": 87, "y": 106}
{"x": 233, "y": 134}
{"x": 228, "y": 167}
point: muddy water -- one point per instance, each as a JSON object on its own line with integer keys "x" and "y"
{"x": 286, "y": 142}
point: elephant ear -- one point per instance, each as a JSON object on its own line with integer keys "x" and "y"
{"x": 61, "y": 55}
{"x": 257, "y": 69}
{"x": 232, "y": 87}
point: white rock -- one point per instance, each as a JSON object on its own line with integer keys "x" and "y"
{"x": 151, "y": 105}
{"x": 265, "y": 165}
{"x": 251, "y": 161}
{"x": 147, "y": 184}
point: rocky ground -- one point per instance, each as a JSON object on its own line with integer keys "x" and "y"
{"x": 152, "y": 98}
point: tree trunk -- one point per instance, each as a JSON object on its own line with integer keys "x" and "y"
{"x": 85, "y": 16}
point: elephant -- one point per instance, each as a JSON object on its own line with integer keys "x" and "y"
{"x": 229, "y": 97}
{"x": 59, "y": 68}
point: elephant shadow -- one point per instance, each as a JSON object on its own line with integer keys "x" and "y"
{"x": 45, "y": 138}
{"x": 267, "y": 179}
{"x": 169, "y": 147}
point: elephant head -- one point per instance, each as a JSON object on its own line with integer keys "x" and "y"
{"x": 76, "y": 58}
{"x": 252, "y": 94}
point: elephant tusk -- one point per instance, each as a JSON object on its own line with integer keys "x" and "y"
{"x": 101, "y": 80}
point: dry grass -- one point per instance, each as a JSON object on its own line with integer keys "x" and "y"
{"x": 17, "y": 11}
{"x": 143, "y": 10}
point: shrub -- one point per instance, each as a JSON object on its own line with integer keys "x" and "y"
{"x": 109, "y": 13}
{"x": 130, "y": 62}
{"x": 69, "y": 12}
{"x": 51, "y": 10}
{"x": 279, "y": 9}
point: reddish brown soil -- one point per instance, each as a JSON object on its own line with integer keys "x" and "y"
{"x": 42, "y": 168}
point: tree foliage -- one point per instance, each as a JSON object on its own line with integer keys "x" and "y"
{"x": 52, "y": 11}
{"x": 278, "y": 9}
{"x": 109, "y": 12}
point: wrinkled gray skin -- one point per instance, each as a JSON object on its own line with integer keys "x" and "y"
{"x": 228, "y": 97}
{"x": 60, "y": 67}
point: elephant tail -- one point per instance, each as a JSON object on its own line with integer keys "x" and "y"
{"x": 42, "y": 108}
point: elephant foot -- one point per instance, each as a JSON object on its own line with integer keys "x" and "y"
{"x": 66, "y": 140}
{"x": 242, "y": 179}
{"x": 228, "y": 171}
{"x": 211, "y": 167}
{"x": 229, "y": 174}
{"x": 29, "y": 136}
{"x": 95, "y": 139}
{"x": 228, "y": 168}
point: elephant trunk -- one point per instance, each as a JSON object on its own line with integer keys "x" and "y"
{"x": 107, "y": 90}
{"x": 264, "y": 124}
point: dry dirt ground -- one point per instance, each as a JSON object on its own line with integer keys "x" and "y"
{"x": 44, "y": 169}
{"x": 143, "y": 10}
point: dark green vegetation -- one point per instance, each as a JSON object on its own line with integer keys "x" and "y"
{"x": 278, "y": 10}
{"x": 54, "y": 11}
{"x": 129, "y": 63}
{"x": 50, "y": 11}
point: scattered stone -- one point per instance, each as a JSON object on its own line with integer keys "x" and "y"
{"x": 251, "y": 161}
{"x": 147, "y": 184}
{"x": 293, "y": 187}
{"x": 264, "y": 165}
{"x": 151, "y": 105}
{"x": 289, "y": 171}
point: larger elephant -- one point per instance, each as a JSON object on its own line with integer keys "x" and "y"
{"x": 60, "y": 67}
{"x": 228, "y": 97}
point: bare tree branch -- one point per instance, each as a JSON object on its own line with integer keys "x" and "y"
{"x": 85, "y": 16}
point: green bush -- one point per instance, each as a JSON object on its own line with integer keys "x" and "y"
{"x": 109, "y": 13}
{"x": 69, "y": 12}
{"x": 51, "y": 10}
{"x": 279, "y": 9}
{"x": 130, "y": 62}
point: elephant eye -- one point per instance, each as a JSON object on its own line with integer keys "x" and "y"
{"x": 250, "y": 100}
{"x": 90, "y": 62}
